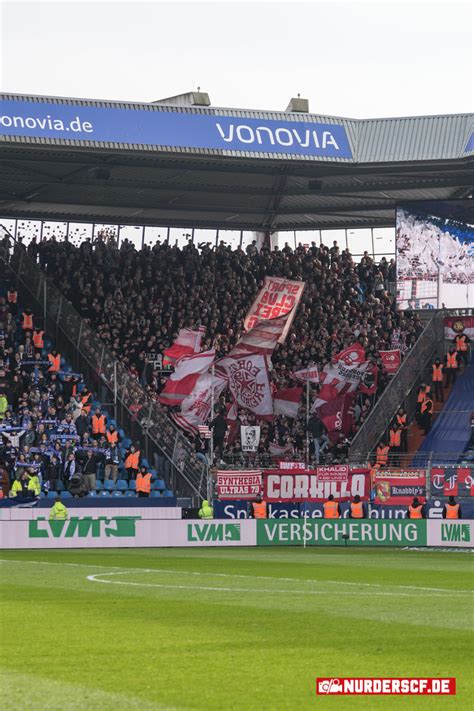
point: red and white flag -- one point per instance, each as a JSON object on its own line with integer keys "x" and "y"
{"x": 391, "y": 361}
{"x": 338, "y": 416}
{"x": 307, "y": 375}
{"x": 280, "y": 450}
{"x": 187, "y": 343}
{"x": 249, "y": 383}
{"x": 368, "y": 383}
{"x": 196, "y": 408}
{"x": 353, "y": 355}
{"x": 262, "y": 337}
{"x": 287, "y": 402}
{"x": 278, "y": 297}
{"x": 182, "y": 382}
{"x": 338, "y": 379}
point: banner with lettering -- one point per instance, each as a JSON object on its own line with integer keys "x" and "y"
{"x": 393, "y": 487}
{"x": 452, "y": 481}
{"x": 278, "y": 297}
{"x": 239, "y": 484}
{"x": 315, "y": 484}
{"x": 391, "y": 361}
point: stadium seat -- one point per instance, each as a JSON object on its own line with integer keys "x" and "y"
{"x": 159, "y": 484}
{"x": 132, "y": 485}
{"x": 65, "y": 495}
{"x": 98, "y": 485}
{"x": 145, "y": 462}
{"x": 121, "y": 485}
{"x": 59, "y": 485}
{"x": 117, "y": 493}
{"x": 155, "y": 494}
{"x": 167, "y": 493}
{"x": 130, "y": 493}
{"x": 51, "y": 495}
{"x": 104, "y": 493}
{"x": 109, "y": 485}
{"x": 92, "y": 493}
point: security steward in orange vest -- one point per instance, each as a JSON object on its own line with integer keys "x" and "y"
{"x": 55, "y": 360}
{"x": 401, "y": 419}
{"x": 416, "y": 510}
{"x": 331, "y": 508}
{"x": 27, "y": 322}
{"x": 38, "y": 339}
{"x": 422, "y": 390}
{"x": 451, "y": 366}
{"x": 132, "y": 461}
{"x": 357, "y": 508}
{"x": 461, "y": 343}
{"x": 452, "y": 510}
{"x": 437, "y": 379}
{"x": 258, "y": 508}
{"x": 112, "y": 436}
{"x": 395, "y": 442}
{"x": 86, "y": 399}
{"x": 143, "y": 482}
{"x": 381, "y": 455}
{"x": 426, "y": 414}
{"x": 98, "y": 423}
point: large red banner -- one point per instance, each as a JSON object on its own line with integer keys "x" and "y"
{"x": 398, "y": 488}
{"x": 299, "y": 486}
{"x": 453, "y": 326}
{"x": 277, "y": 297}
{"x": 238, "y": 484}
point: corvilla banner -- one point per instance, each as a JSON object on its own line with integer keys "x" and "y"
{"x": 298, "y": 486}
{"x": 398, "y": 488}
{"x": 312, "y": 532}
{"x": 156, "y": 126}
{"x": 239, "y": 484}
{"x": 277, "y": 297}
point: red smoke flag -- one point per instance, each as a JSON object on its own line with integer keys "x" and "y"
{"x": 391, "y": 361}
{"x": 287, "y": 402}
{"x": 187, "y": 343}
{"x": 249, "y": 383}
{"x": 338, "y": 416}
{"x": 354, "y": 355}
{"x": 182, "y": 382}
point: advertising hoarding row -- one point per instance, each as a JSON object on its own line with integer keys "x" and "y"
{"x": 135, "y": 532}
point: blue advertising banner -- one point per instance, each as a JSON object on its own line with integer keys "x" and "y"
{"x": 156, "y": 127}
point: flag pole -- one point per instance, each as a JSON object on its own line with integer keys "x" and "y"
{"x": 307, "y": 420}
{"x": 211, "y": 443}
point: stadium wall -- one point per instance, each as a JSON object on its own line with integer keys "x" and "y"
{"x": 137, "y": 532}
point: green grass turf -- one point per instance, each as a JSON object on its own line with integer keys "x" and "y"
{"x": 230, "y": 629}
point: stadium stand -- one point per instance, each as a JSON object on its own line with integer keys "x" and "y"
{"x": 55, "y": 435}
{"x": 137, "y": 300}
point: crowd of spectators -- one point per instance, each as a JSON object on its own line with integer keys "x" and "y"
{"x": 137, "y": 300}
{"x": 51, "y": 436}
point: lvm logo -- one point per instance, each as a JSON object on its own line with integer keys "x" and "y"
{"x": 456, "y": 532}
{"x": 117, "y": 526}
{"x": 206, "y": 532}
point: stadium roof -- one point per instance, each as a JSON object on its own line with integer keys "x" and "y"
{"x": 172, "y": 164}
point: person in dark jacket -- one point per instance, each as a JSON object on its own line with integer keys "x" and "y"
{"x": 219, "y": 429}
{"x": 53, "y": 473}
{"x": 318, "y": 434}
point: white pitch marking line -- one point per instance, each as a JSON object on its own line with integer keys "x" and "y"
{"x": 95, "y": 579}
{"x": 236, "y": 575}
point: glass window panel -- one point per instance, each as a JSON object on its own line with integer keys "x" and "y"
{"x": 384, "y": 241}
{"x": 247, "y": 238}
{"x": 206, "y": 237}
{"x": 180, "y": 236}
{"x": 330, "y": 236}
{"x": 132, "y": 233}
{"x": 54, "y": 230}
{"x": 27, "y": 229}
{"x": 231, "y": 237}
{"x": 287, "y": 236}
{"x": 359, "y": 241}
{"x": 306, "y": 237}
{"x": 9, "y": 225}
{"x": 106, "y": 232}
{"x": 79, "y": 232}
{"x": 155, "y": 235}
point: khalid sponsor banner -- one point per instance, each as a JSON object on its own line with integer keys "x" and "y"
{"x": 393, "y": 487}
{"x": 391, "y": 360}
{"x": 452, "y": 481}
{"x": 156, "y": 126}
{"x": 458, "y": 324}
{"x": 239, "y": 484}
{"x": 124, "y": 532}
{"x": 338, "y": 472}
{"x": 360, "y": 533}
{"x": 451, "y": 534}
{"x": 277, "y": 297}
{"x": 301, "y": 486}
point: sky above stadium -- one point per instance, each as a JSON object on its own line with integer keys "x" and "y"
{"x": 350, "y": 59}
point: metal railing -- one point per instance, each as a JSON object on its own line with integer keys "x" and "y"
{"x": 402, "y": 390}
{"x": 134, "y": 409}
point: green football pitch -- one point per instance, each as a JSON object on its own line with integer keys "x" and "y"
{"x": 230, "y": 628}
